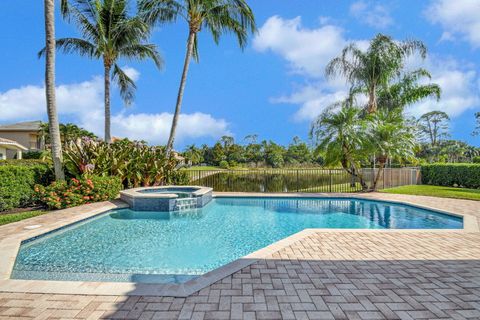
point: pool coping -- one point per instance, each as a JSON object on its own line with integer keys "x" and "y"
{"x": 9, "y": 247}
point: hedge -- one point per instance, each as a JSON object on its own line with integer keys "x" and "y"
{"x": 17, "y": 181}
{"x": 465, "y": 175}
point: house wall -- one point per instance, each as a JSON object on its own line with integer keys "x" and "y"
{"x": 3, "y": 153}
{"x": 27, "y": 139}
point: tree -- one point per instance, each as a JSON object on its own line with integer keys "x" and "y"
{"x": 372, "y": 70}
{"x": 298, "y": 152}
{"x": 340, "y": 134}
{"x": 68, "y": 132}
{"x": 56, "y": 146}
{"x": 274, "y": 154}
{"x": 476, "y": 131}
{"x": 227, "y": 141}
{"x": 193, "y": 154}
{"x": 216, "y": 16}
{"x": 388, "y": 136}
{"x": 251, "y": 138}
{"x": 109, "y": 34}
{"x": 434, "y": 126}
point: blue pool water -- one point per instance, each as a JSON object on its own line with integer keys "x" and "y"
{"x": 124, "y": 245}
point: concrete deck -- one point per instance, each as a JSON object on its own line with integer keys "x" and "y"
{"x": 315, "y": 274}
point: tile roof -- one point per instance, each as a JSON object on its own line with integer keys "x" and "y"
{"x": 22, "y": 126}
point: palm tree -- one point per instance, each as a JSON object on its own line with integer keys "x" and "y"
{"x": 109, "y": 34}
{"x": 227, "y": 141}
{"x": 338, "y": 131}
{"x": 193, "y": 154}
{"x": 372, "y": 70}
{"x": 56, "y": 145}
{"x": 389, "y": 136}
{"x": 217, "y": 16}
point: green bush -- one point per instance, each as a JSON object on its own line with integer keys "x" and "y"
{"x": 17, "y": 181}
{"x": 33, "y": 154}
{"x": 224, "y": 164}
{"x": 63, "y": 194}
{"x": 476, "y": 159}
{"x": 465, "y": 175}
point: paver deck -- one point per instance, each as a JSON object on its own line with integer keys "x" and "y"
{"x": 349, "y": 274}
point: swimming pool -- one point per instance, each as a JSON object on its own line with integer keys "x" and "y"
{"x": 173, "y": 247}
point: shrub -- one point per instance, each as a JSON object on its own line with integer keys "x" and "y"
{"x": 134, "y": 162}
{"x": 63, "y": 194}
{"x": 224, "y": 164}
{"x": 179, "y": 177}
{"x": 17, "y": 181}
{"x": 476, "y": 159}
{"x": 33, "y": 154}
{"x": 465, "y": 175}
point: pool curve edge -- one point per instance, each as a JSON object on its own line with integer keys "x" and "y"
{"x": 10, "y": 245}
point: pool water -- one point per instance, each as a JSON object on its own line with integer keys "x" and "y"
{"x": 165, "y": 247}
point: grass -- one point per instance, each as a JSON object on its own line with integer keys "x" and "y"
{"x": 437, "y": 191}
{"x": 7, "y": 218}
{"x": 339, "y": 187}
{"x": 202, "y": 168}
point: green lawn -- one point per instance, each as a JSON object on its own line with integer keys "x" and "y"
{"x": 14, "y": 217}
{"x": 202, "y": 168}
{"x": 437, "y": 191}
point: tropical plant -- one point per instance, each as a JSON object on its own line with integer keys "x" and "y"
{"x": 49, "y": 51}
{"x": 388, "y": 136}
{"x": 134, "y": 162}
{"x": 339, "y": 131}
{"x": 371, "y": 71}
{"x": 216, "y": 16}
{"x": 109, "y": 34}
{"x": 434, "y": 126}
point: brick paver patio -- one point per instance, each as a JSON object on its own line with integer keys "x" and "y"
{"x": 326, "y": 275}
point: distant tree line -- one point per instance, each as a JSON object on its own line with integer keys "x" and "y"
{"x": 226, "y": 153}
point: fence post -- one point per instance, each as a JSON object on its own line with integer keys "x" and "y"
{"x": 330, "y": 180}
{"x": 297, "y": 182}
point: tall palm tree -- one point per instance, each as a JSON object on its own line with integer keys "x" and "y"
{"x": 56, "y": 145}
{"x": 217, "y": 16}
{"x": 372, "y": 70}
{"x": 109, "y": 34}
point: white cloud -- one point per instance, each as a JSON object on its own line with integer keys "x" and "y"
{"x": 307, "y": 50}
{"x": 84, "y": 103}
{"x": 373, "y": 14}
{"x": 457, "y": 18}
{"x": 155, "y": 127}
{"x": 459, "y": 84}
{"x": 132, "y": 73}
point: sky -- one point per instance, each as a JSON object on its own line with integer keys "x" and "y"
{"x": 274, "y": 88}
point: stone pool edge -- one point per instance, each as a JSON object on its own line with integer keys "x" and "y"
{"x": 9, "y": 248}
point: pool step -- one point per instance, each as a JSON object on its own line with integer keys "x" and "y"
{"x": 186, "y": 204}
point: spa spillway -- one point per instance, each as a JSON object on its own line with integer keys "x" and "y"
{"x": 166, "y": 198}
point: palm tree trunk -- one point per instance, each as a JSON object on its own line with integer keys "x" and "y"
{"x": 372, "y": 101}
{"x": 108, "y": 138}
{"x": 379, "y": 174}
{"x": 178, "y": 106}
{"x": 55, "y": 142}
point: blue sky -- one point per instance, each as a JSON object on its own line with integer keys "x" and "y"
{"x": 274, "y": 88}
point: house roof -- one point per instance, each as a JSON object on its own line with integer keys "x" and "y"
{"x": 22, "y": 126}
{"x": 10, "y": 144}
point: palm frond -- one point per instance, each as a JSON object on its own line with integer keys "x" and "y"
{"x": 126, "y": 84}
{"x": 74, "y": 45}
